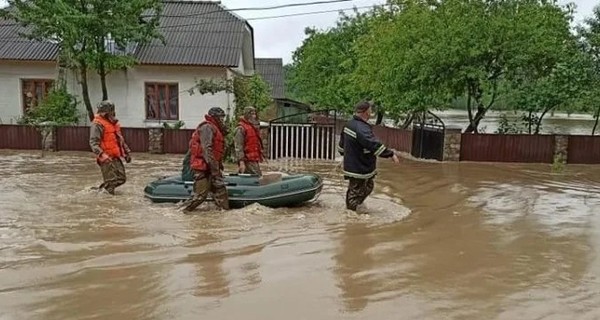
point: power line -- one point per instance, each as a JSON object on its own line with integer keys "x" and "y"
{"x": 262, "y": 18}
{"x": 289, "y": 5}
{"x": 222, "y": 20}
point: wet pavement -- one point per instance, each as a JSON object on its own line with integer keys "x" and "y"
{"x": 440, "y": 241}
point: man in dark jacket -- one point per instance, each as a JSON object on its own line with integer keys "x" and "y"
{"x": 360, "y": 149}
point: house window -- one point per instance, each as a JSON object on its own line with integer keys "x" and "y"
{"x": 162, "y": 101}
{"x": 34, "y": 91}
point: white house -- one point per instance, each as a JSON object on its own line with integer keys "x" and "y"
{"x": 203, "y": 40}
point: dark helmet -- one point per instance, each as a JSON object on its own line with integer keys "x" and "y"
{"x": 216, "y": 112}
{"x": 106, "y": 106}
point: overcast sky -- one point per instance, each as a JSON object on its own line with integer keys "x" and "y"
{"x": 278, "y": 38}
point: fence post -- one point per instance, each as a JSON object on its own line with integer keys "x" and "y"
{"x": 452, "y": 140}
{"x": 156, "y": 143}
{"x": 561, "y": 147}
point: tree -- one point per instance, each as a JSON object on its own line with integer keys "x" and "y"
{"x": 117, "y": 27}
{"x": 81, "y": 28}
{"x": 325, "y": 62}
{"x": 395, "y": 63}
{"x": 590, "y": 44}
{"x": 561, "y": 86}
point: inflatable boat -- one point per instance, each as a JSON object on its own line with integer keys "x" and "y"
{"x": 270, "y": 190}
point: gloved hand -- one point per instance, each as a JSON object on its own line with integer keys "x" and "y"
{"x": 128, "y": 158}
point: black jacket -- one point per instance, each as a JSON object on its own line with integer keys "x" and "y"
{"x": 360, "y": 149}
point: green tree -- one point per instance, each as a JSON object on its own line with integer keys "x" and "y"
{"x": 117, "y": 27}
{"x": 590, "y": 44}
{"x": 395, "y": 63}
{"x": 561, "y": 86}
{"x": 325, "y": 62}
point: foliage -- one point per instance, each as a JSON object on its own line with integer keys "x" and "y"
{"x": 560, "y": 86}
{"x": 81, "y": 29}
{"x": 59, "y": 108}
{"x": 323, "y": 66}
{"x": 416, "y": 55}
{"x": 248, "y": 91}
{"x": 175, "y": 126}
{"x": 508, "y": 126}
{"x": 590, "y": 45}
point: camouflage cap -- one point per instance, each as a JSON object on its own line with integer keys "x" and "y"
{"x": 249, "y": 110}
{"x": 105, "y": 106}
{"x": 216, "y": 112}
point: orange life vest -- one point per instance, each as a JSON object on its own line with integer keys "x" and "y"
{"x": 252, "y": 143}
{"x": 110, "y": 142}
{"x": 197, "y": 161}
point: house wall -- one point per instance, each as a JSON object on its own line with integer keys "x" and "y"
{"x": 125, "y": 89}
{"x": 11, "y": 73}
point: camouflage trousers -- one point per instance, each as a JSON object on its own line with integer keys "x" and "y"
{"x": 203, "y": 184}
{"x": 358, "y": 191}
{"x": 252, "y": 167}
{"x": 113, "y": 174}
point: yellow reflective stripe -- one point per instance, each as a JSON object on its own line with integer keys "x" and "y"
{"x": 366, "y": 151}
{"x": 359, "y": 175}
{"x": 350, "y": 132}
{"x": 340, "y": 149}
{"x": 380, "y": 150}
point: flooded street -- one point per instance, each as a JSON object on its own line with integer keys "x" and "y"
{"x": 441, "y": 241}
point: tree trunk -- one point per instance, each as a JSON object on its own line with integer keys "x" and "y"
{"x": 84, "y": 90}
{"x": 539, "y": 121}
{"x": 103, "y": 82}
{"x": 529, "y": 122}
{"x": 597, "y": 115}
{"x": 379, "y": 118}
{"x": 408, "y": 121}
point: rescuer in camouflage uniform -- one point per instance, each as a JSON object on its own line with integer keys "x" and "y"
{"x": 360, "y": 149}
{"x": 207, "y": 149}
{"x": 248, "y": 143}
{"x": 108, "y": 144}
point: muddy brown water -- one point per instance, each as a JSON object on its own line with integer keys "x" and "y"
{"x": 440, "y": 241}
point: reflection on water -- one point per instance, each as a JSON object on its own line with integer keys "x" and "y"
{"x": 438, "y": 241}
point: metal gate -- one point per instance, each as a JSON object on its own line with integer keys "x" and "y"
{"x": 311, "y": 139}
{"x": 428, "y": 137}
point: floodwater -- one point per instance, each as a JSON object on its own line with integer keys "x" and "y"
{"x": 440, "y": 241}
{"x": 559, "y": 123}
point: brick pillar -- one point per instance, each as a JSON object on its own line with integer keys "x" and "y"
{"x": 48, "y": 134}
{"x": 452, "y": 139}
{"x": 561, "y": 145}
{"x": 155, "y": 144}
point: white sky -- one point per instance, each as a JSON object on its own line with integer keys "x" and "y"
{"x": 278, "y": 38}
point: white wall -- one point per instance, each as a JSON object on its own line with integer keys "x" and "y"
{"x": 11, "y": 73}
{"x": 125, "y": 89}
